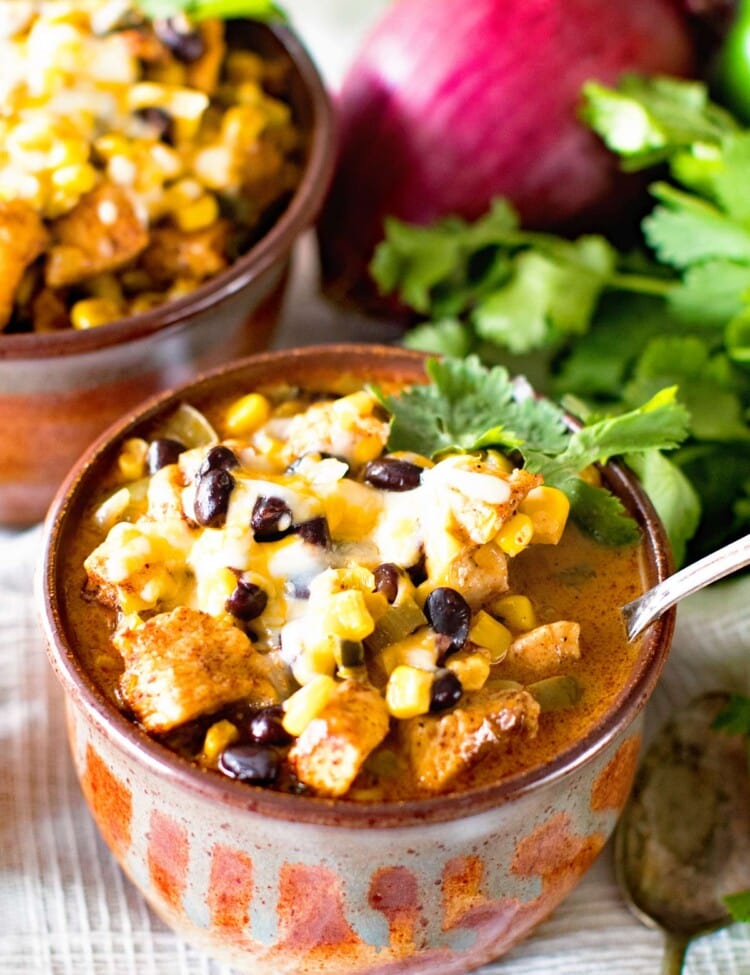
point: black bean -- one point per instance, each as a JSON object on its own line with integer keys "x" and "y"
{"x": 218, "y": 458}
{"x": 386, "y": 580}
{"x": 448, "y": 612}
{"x": 247, "y": 601}
{"x": 446, "y": 690}
{"x": 159, "y": 121}
{"x": 183, "y": 40}
{"x": 392, "y": 474}
{"x": 250, "y": 763}
{"x": 266, "y": 726}
{"x": 162, "y": 452}
{"x": 315, "y": 532}
{"x": 212, "y": 495}
{"x": 271, "y": 519}
{"x": 418, "y": 572}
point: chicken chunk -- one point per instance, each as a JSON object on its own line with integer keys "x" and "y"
{"x": 440, "y": 747}
{"x": 137, "y": 567}
{"x": 546, "y": 647}
{"x": 474, "y": 499}
{"x": 183, "y": 664}
{"x": 329, "y": 753}
{"x": 346, "y": 428}
{"x": 186, "y": 255}
{"x": 479, "y": 574}
{"x": 101, "y": 233}
{"x": 22, "y": 239}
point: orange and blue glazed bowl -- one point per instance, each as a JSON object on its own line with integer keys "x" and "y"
{"x": 60, "y": 389}
{"x": 275, "y": 883}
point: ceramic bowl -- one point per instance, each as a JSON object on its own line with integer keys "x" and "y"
{"x": 58, "y": 391}
{"x": 275, "y": 883}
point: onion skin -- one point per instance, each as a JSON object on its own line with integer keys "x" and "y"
{"x": 453, "y": 102}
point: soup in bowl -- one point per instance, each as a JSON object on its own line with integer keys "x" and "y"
{"x": 348, "y": 691}
{"x": 154, "y": 178}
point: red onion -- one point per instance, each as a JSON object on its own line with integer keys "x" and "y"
{"x": 453, "y": 102}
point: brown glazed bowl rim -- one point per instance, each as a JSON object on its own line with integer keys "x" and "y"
{"x": 83, "y": 693}
{"x": 298, "y": 215}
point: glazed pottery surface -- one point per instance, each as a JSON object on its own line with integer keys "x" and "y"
{"x": 58, "y": 391}
{"x": 274, "y": 883}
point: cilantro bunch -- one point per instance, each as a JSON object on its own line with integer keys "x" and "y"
{"x": 468, "y": 406}
{"x": 605, "y": 330}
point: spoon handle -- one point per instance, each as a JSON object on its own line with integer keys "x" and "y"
{"x": 648, "y": 607}
{"x": 675, "y": 949}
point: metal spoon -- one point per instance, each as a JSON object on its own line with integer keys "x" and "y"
{"x": 649, "y": 606}
{"x": 683, "y": 841}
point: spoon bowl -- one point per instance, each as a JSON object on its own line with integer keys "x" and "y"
{"x": 683, "y": 841}
{"x": 648, "y": 607}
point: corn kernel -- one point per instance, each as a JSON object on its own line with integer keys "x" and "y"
{"x": 472, "y": 668}
{"x": 242, "y": 124}
{"x": 215, "y": 589}
{"x": 318, "y": 657}
{"x": 516, "y": 612}
{"x": 105, "y": 286}
{"x": 92, "y": 312}
{"x": 307, "y": 703}
{"x": 419, "y": 459}
{"x": 131, "y": 461}
{"x": 499, "y": 462}
{"x": 351, "y": 509}
{"x": 247, "y": 414}
{"x": 515, "y": 534}
{"x": 548, "y": 509}
{"x": 416, "y": 650}
{"x": 198, "y": 215}
{"x": 490, "y": 633}
{"x": 112, "y": 509}
{"x": 345, "y": 614}
{"x": 591, "y": 475}
{"x": 219, "y": 736}
{"x": 339, "y": 580}
{"x": 408, "y": 692}
{"x": 243, "y": 66}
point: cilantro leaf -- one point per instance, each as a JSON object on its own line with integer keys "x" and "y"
{"x": 710, "y": 293}
{"x": 458, "y": 410}
{"x": 672, "y": 495}
{"x": 739, "y": 905}
{"x": 223, "y": 9}
{"x": 687, "y": 229}
{"x": 552, "y": 291}
{"x": 467, "y": 407}
{"x": 734, "y": 719}
{"x": 661, "y": 424}
{"x": 445, "y": 337}
{"x": 599, "y": 513}
{"x": 420, "y": 263}
{"x": 648, "y": 120}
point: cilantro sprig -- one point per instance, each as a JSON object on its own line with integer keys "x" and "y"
{"x": 198, "y": 10}
{"x": 468, "y": 406}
